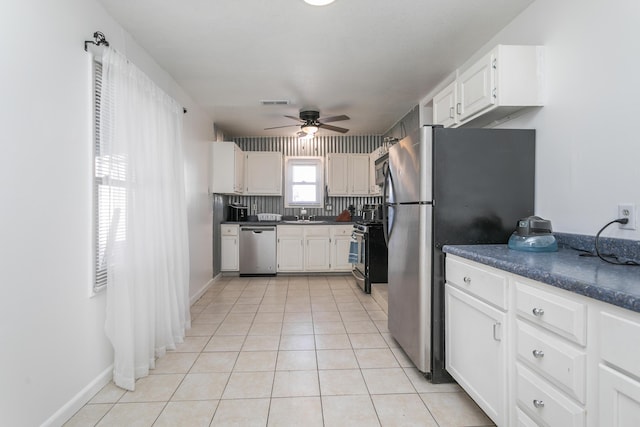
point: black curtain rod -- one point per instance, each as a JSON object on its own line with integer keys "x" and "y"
{"x": 100, "y": 40}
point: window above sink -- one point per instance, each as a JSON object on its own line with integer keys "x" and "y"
{"x": 304, "y": 182}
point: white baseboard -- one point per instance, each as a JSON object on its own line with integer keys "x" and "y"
{"x": 63, "y": 414}
{"x": 195, "y": 297}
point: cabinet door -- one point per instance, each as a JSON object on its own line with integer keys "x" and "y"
{"x": 263, "y": 173}
{"x": 338, "y": 174}
{"x": 476, "y": 87}
{"x": 444, "y": 106}
{"x": 619, "y": 399}
{"x": 317, "y": 254}
{"x": 359, "y": 169}
{"x": 476, "y": 350}
{"x": 290, "y": 253}
{"x": 226, "y": 173}
{"x": 340, "y": 254}
{"x": 238, "y": 160}
{"x": 229, "y": 252}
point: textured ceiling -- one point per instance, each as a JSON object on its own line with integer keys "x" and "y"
{"x": 372, "y": 60}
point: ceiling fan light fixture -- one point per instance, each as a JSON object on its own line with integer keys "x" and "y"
{"x": 318, "y": 2}
{"x": 309, "y": 129}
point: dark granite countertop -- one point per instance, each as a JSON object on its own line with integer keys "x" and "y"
{"x": 565, "y": 269}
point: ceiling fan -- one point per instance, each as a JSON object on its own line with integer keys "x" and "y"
{"x": 311, "y": 122}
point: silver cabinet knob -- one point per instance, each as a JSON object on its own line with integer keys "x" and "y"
{"x": 538, "y": 354}
{"x": 538, "y": 311}
{"x": 538, "y": 403}
{"x": 467, "y": 279}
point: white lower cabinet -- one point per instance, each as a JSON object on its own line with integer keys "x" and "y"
{"x": 340, "y": 241}
{"x": 620, "y": 381}
{"x": 229, "y": 249}
{"x": 290, "y": 248}
{"x": 477, "y": 350}
{"x": 317, "y": 251}
{"x": 548, "y": 357}
{"x": 619, "y": 399}
{"x": 313, "y": 248}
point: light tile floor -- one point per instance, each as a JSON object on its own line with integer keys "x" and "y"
{"x": 284, "y": 351}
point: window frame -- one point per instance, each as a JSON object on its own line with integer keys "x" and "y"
{"x": 290, "y": 163}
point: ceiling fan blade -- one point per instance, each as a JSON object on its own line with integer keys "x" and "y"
{"x": 297, "y": 119}
{"x": 333, "y": 128}
{"x": 333, "y": 119}
{"x": 279, "y": 127}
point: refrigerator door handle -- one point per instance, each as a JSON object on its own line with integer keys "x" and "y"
{"x": 387, "y": 226}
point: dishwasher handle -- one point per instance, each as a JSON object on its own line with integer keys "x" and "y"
{"x": 257, "y": 229}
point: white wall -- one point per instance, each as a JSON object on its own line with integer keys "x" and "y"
{"x": 588, "y": 149}
{"x": 53, "y": 351}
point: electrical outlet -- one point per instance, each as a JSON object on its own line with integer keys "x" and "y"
{"x": 255, "y": 209}
{"x": 627, "y": 210}
{"x": 329, "y": 207}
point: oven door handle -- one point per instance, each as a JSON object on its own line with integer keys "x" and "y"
{"x": 358, "y": 276}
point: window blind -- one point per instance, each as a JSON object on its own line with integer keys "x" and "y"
{"x": 110, "y": 194}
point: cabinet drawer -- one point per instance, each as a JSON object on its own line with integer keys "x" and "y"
{"x": 561, "y": 315}
{"x": 523, "y": 420}
{"x": 620, "y": 338}
{"x": 562, "y": 364}
{"x": 544, "y": 403}
{"x": 229, "y": 230}
{"x": 341, "y": 230}
{"x": 290, "y": 230}
{"x": 479, "y": 281}
{"x": 316, "y": 230}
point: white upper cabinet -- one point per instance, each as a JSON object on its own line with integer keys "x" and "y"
{"x": 348, "y": 174}
{"x": 444, "y": 106}
{"x": 359, "y": 173}
{"x": 505, "y": 80}
{"x": 263, "y": 173}
{"x": 227, "y": 168}
{"x": 477, "y": 87}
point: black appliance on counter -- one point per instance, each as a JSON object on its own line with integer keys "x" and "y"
{"x": 237, "y": 212}
{"x": 371, "y": 265}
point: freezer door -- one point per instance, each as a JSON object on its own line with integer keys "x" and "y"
{"x": 409, "y": 279}
{"x": 410, "y": 168}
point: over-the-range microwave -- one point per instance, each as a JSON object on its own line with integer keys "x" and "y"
{"x": 381, "y": 165}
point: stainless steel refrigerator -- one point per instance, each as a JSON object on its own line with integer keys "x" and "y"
{"x": 447, "y": 186}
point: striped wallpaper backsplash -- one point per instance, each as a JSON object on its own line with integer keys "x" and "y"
{"x": 318, "y": 146}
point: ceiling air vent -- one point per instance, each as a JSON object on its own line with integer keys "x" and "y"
{"x": 274, "y": 102}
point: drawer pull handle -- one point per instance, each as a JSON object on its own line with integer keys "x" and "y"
{"x": 538, "y": 354}
{"x": 538, "y": 403}
{"x": 467, "y": 280}
{"x": 538, "y": 311}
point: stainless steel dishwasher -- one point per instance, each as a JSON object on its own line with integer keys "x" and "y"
{"x": 257, "y": 250}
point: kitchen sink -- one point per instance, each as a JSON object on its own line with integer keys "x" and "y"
{"x": 304, "y": 221}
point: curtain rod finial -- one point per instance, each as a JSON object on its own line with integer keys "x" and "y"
{"x": 98, "y": 39}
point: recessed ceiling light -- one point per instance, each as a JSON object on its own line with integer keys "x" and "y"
{"x": 319, "y": 2}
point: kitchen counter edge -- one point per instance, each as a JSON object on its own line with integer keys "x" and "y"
{"x": 565, "y": 269}
{"x": 268, "y": 223}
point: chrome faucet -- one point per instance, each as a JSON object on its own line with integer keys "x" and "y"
{"x": 303, "y": 214}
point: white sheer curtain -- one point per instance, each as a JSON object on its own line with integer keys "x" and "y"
{"x": 148, "y": 264}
